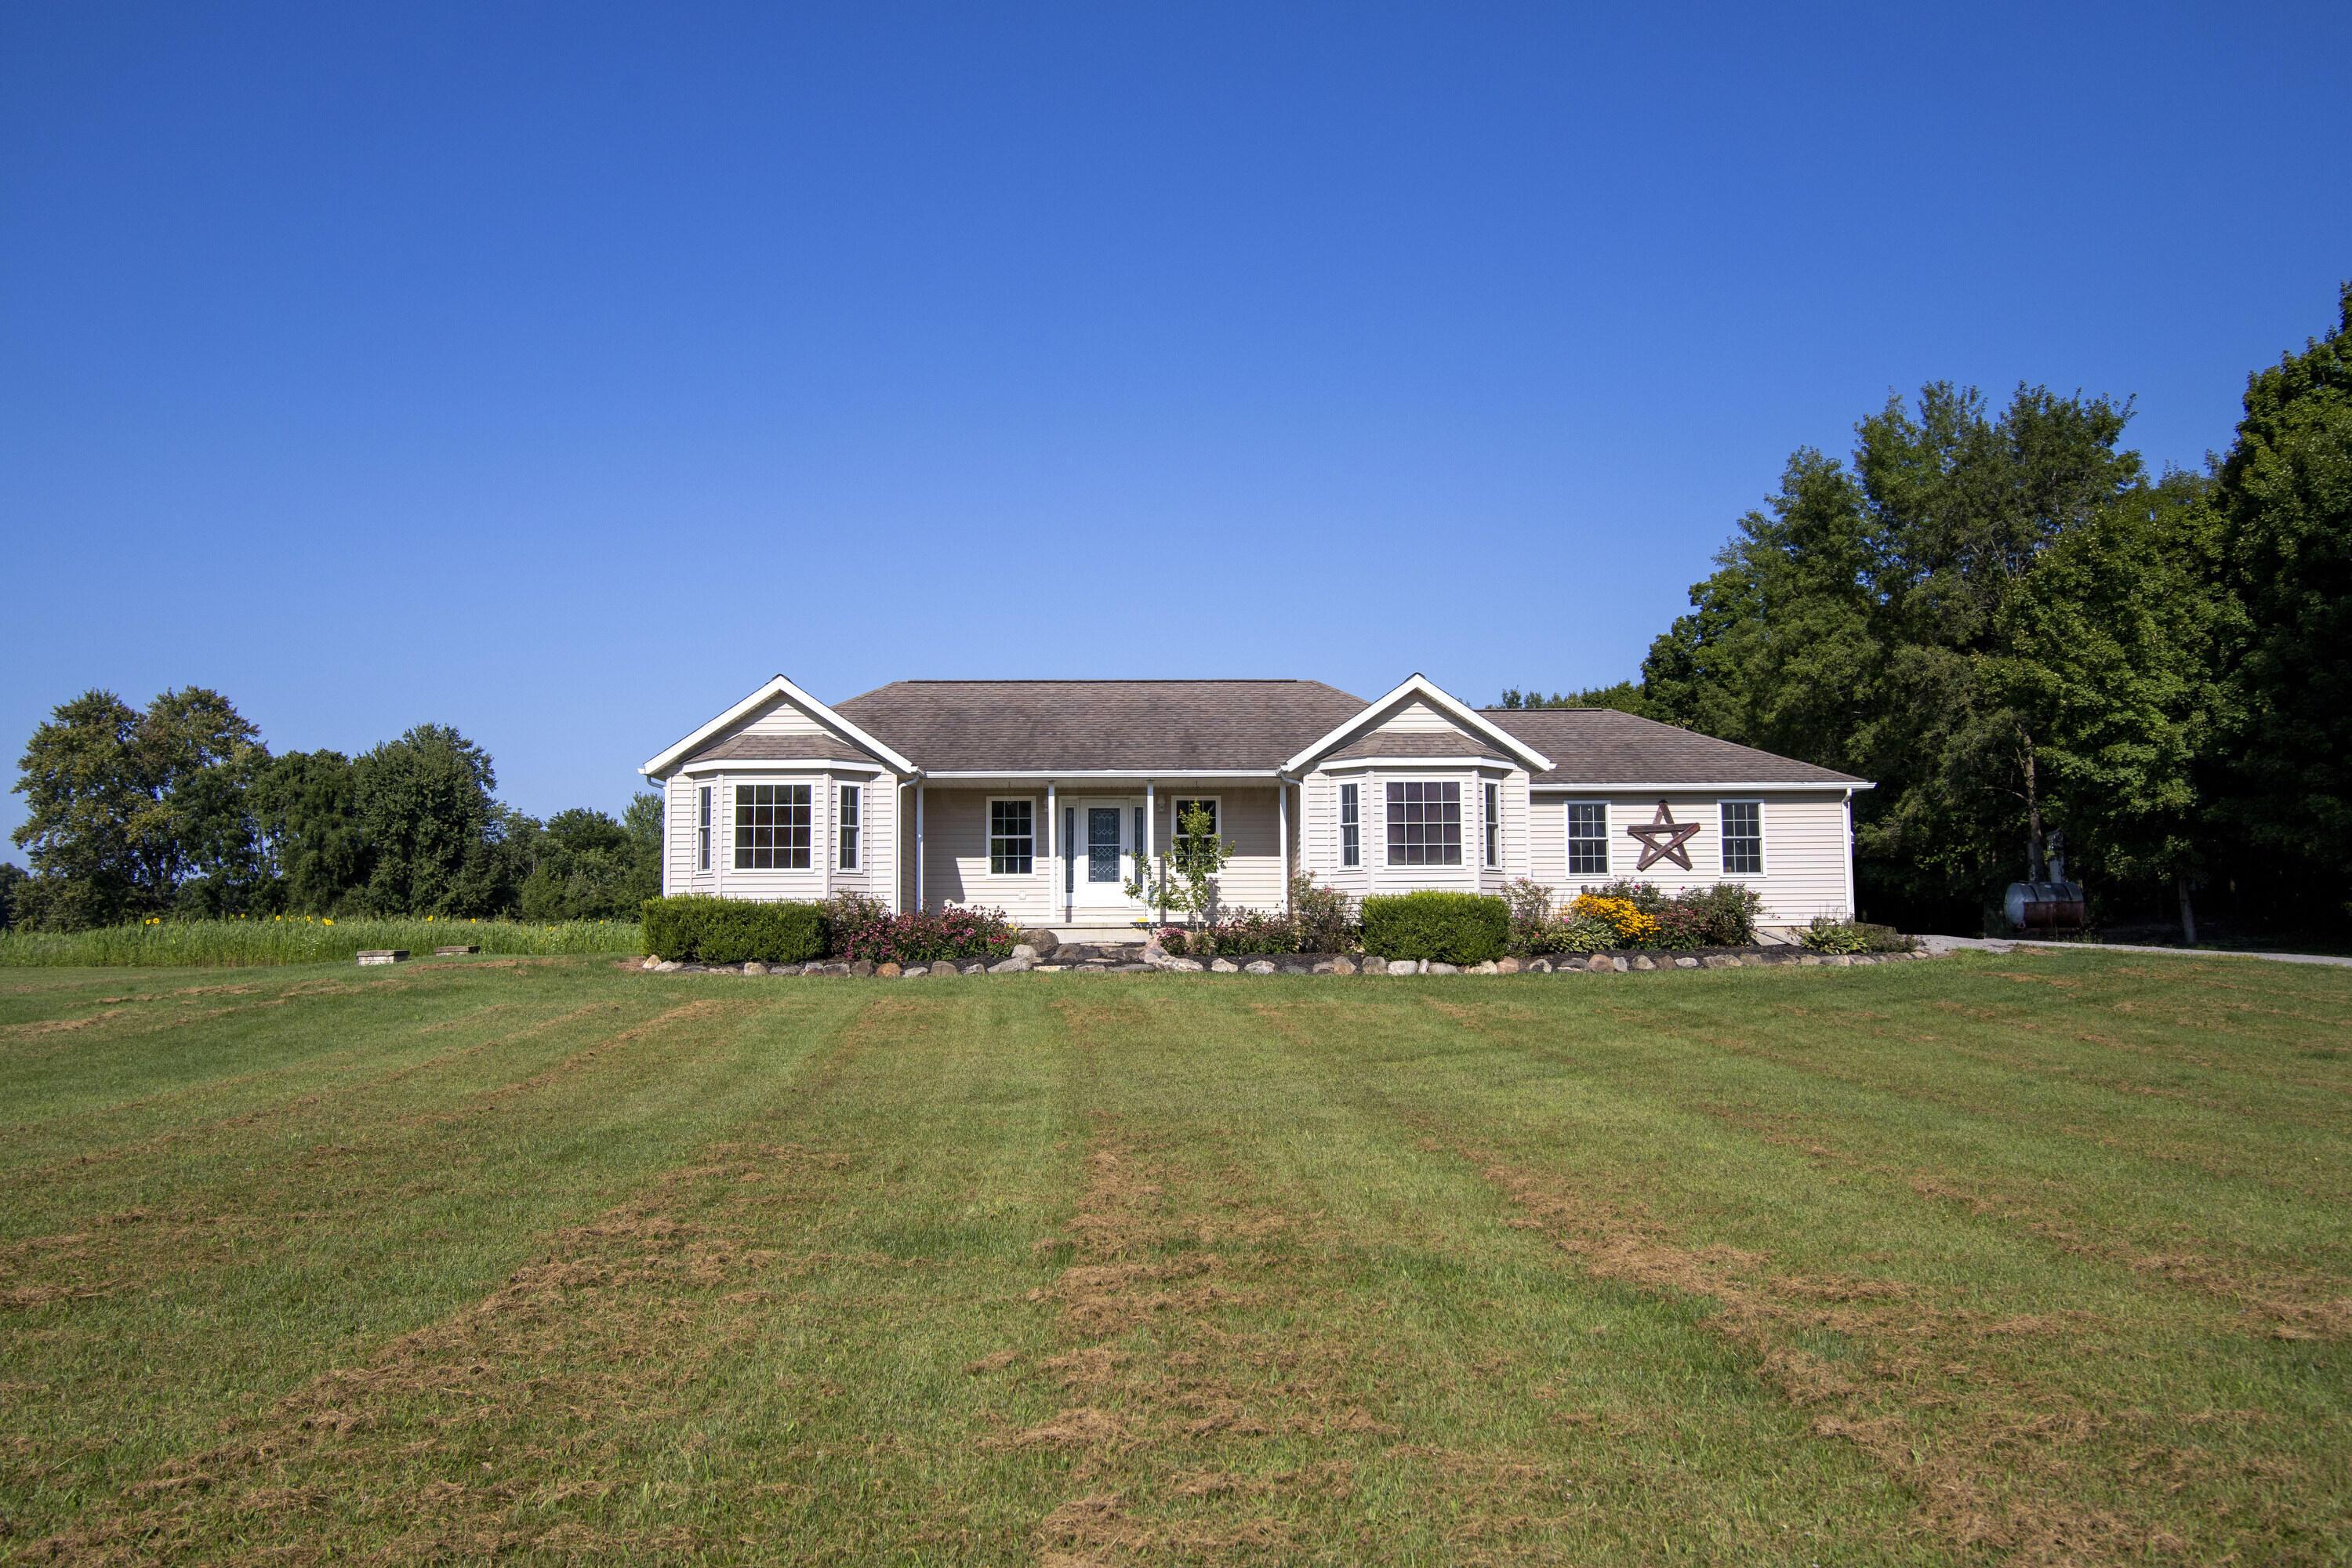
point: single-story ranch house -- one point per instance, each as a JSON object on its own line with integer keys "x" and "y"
{"x": 1033, "y": 796}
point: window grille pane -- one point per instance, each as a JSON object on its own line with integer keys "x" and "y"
{"x": 1352, "y": 850}
{"x": 1011, "y": 837}
{"x": 1587, "y": 839}
{"x": 1743, "y": 837}
{"x": 853, "y": 810}
{"x": 771, "y": 827}
{"x": 702, "y": 829}
{"x": 1424, "y": 822}
{"x": 1494, "y": 825}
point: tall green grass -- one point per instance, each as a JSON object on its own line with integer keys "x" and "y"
{"x": 293, "y": 939}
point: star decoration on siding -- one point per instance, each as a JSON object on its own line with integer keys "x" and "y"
{"x": 1663, "y": 838}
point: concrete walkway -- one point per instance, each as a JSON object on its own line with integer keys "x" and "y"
{"x": 2006, "y": 944}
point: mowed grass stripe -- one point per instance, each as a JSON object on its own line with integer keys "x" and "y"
{"x": 1988, "y": 1371}
{"x": 799, "y": 1304}
{"x": 299, "y": 1076}
{"x": 236, "y": 1267}
{"x": 1620, "y": 1270}
{"x": 1292, "y": 1332}
{"x": 2264, "y": 1232}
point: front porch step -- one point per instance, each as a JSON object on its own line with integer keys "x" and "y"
{"x": 1101, "y": 935}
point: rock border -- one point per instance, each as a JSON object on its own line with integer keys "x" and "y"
{"x": 1149, "y": 958}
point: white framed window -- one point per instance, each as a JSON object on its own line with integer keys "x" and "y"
{"x": 1351, "y": 831}
{"x": 1177, "y": 810}
{"x": 1494, "y": 825}
{"x": 1588, "y": 838}
{"x": 702, "y": 828}
{"x": 1012, "y": 836}
{"x": 771, "y": 827}
{"x": 1424, "y": 822}
{"x": 1743, "y": 837}
{"x": 852, "y": 825}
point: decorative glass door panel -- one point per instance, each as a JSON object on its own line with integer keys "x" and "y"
{"x": 1103, "y": 843}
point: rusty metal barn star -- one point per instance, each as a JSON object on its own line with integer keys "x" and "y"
{"x": 1674, "y": 836}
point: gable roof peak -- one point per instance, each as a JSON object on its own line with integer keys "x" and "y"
{"x": 1418, "y": 685}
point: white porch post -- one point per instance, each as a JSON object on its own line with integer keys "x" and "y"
{"x": 1151, "y": 840}
{"x": 1281, "y": 836}
{"x": 1054, "y": 849}
{"x": 918, "y": 846}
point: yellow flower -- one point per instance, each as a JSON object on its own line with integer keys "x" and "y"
{"x": 330, "y": 919}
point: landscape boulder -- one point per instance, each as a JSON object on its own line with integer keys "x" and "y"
{"x": 887, "y": 971}
{"x": 753, "y": 966}
{"x": 1439, "y": 966}
{"x": 1224, "y": 966}
{"x": 1376, "y": 966}
{"x": 1258, "y": 966}
{"x": 1019, "y": 963}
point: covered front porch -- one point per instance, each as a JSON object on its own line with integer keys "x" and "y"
{"x": 1058, "y": 850}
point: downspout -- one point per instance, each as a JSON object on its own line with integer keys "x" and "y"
{"x": 1150, "y": 849}
{"x": 1053, "y": 855}
{"x": 919, "y": 905}
{"x": 1849, "y": 910}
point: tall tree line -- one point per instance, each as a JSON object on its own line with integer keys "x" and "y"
{"x": 180, "y": 810}
{"x": 2002, "y": 617}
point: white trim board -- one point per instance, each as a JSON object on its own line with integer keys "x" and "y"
{"x": 777, "y": 687}
{"x": 1734, "y": 788}
{"x": 1421, "y": 686}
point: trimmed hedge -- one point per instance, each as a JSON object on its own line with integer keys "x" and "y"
{"x": 732, "y": 931}
{"x": 1450, "y": 928}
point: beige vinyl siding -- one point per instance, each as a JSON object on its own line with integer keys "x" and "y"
{"x": 1317, "y": 850}
{"x": 955, "y": 856}
{"x": 1511, "y": 793}
{"x": 781, "y": 717}
{"x": 877, "y": 874}
{"x": 679, "y": 873}
{"x": 1417, "y": 717}
{"x": 1253, "y": 878}
{"x": 1804, "y": 847}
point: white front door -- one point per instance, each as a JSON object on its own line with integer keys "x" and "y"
{"x": 1102, "y": 834}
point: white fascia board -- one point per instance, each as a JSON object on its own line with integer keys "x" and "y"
{"x": 1824, "y": 787}
{"x": 1101, "y": 774}
{"x": 1421, "y": 686}
{"x": 1423, "y": 763}
{"x": 777, "y": 765}
{"x": 776, "y": 687}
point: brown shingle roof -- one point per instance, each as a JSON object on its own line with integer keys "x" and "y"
{"x": 1021, "y": 726}
{"x": 1418, "y": 744}
{"x": 747, "y": 747}
{"x": 1603, "y": 746}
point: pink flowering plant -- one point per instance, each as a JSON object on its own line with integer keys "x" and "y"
{"x": 955, "y": 935}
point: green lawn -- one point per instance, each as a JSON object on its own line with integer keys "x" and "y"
{"x": 2038, "y": 1259}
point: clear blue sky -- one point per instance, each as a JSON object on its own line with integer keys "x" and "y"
{"x": 561, "y": 371}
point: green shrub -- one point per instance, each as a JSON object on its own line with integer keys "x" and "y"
{"x": 1326, "y": 917}
{"x": 1586, "y": 933}
{"x": 1829, "y": 934}
{"x": 1450, "y": 928}
{"x": 732, "y": 930}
